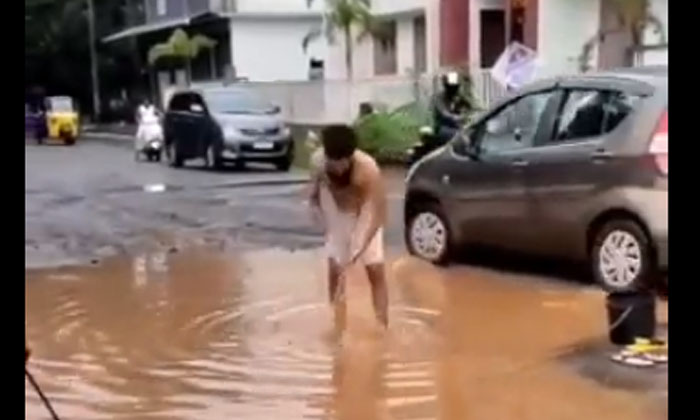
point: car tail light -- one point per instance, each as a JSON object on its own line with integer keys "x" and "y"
{"x": 658, "y": 147}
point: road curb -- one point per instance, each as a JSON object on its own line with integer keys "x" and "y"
{"x": 108, "y": 136}
{"x": 260, "y": 183}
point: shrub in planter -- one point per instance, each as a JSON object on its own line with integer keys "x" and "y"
{"x": 387, "y": 136}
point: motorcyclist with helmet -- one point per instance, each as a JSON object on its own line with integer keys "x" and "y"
{"x": 450, "y": 108}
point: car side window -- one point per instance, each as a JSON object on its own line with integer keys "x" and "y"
{"x": 196, "y": 104}
{"x": 581, "y": 116}
{"x": 617, "y": 108}
{"x": 180, "y": 102}
{"x": 590, "y": 113}
{"x": 515, "y": 126}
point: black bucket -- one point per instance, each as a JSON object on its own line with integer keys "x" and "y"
{"x": 631, "y": 316}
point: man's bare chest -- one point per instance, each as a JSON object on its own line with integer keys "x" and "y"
{"x": 347, "y": 198}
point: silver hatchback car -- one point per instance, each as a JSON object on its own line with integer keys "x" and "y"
{"x": 573, "y": 167}
{"x": 226, "y": 124}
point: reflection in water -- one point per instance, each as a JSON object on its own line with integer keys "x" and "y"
{"x": 358, "y": 373}
{"x": 197, "y": 335}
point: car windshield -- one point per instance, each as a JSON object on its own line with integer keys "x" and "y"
{"x": 60, "y": 104}
{"x": 238, "y": 102}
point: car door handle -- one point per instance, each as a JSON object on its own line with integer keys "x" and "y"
{"x": 601, "y": 154}
{"x": 519, "y": 163}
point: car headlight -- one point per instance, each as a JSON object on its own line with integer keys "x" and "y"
{"x": 230, "y": 132}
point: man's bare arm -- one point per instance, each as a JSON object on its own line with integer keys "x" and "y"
{"x": 373, "y": 209}
{"x": 314, "y": 195}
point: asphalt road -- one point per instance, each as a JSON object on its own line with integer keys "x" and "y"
{"x": 93, "y": 200}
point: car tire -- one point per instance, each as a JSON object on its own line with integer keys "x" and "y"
{"x": 622, "y": 257}
{"x": 213, "y": 157}
{"x": 174, "y": 159}
{"x": 69, "y": 141}
{"x": 427, "y": 233}
{"x": 284, "y": 164}
{"x": 239, "y": 165}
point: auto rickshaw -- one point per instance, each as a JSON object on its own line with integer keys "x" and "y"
{"x": 62, "y": 119}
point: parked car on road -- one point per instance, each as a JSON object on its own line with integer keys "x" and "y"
{"x": 573, "y": 167}
{"x": 226, "y": 124}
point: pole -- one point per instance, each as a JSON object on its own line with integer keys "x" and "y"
{"x": 93, "y": 62}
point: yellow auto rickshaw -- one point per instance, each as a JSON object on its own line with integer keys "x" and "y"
{"x": 62, "y": 119}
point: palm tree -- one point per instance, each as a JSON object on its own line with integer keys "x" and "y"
{"x": 634, "y": 17}
{"x": 343, "y": 16}
{"x": 180, "y": 46}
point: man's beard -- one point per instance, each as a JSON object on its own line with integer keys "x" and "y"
{"x": 342, "y": 180}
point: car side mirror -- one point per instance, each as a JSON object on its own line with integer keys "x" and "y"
{"x": 494, "y": 126}
{"x": 465, "y": 144}
{"x": 276, "y": 109}
{"x": 518, "y": 133}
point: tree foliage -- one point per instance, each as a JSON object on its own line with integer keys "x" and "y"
{"x": 344, "y": 16}
{"x": 56, "y": 48}
{"x": 181, "y": 47}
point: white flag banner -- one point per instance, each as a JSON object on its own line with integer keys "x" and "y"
{"x": 516, "y": 66}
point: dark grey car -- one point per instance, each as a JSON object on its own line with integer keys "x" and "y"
{"x": 226, "y": 124}
{"x": 573, "y": 167}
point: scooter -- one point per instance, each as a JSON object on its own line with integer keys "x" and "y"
{"x": 149, "y": 142}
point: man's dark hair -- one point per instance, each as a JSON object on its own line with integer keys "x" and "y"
{"x": 339, "y": 141}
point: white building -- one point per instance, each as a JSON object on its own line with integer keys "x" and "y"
{"x": 266, "y": 40}
{"x": 267, "y": 35}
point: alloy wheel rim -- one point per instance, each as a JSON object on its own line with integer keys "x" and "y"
{"x": 171, "y": 153}
{"x": 428, "y": 236}
{"x": 210, "y": 156}
{"x": 620, "y": 259}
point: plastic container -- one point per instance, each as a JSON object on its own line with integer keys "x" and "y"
{"x": 631, "y": 316}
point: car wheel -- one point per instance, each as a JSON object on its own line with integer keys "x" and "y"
{"x": 174, "y": 158}
{"x": 284, "y": 164}
{"x": 213, "y": 157}
{"x": 622, "y": 257}
{"x": 427, "y": 234}
{"x": 69, "y": 141}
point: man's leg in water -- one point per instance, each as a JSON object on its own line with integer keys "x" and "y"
{"x": 380, "y": 296}
{"x": 336, "y": 293}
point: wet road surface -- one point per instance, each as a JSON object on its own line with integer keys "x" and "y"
{"x": 199, "y": 307}
{"x": 207, "y": 335}
{"x": 93, "y": 200}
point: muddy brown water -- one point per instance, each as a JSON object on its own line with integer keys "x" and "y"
{"x": 201, "y": 335}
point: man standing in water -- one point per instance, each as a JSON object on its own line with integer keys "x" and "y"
{"x": 347, "y": 194}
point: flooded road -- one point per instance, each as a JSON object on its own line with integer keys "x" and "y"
{"x": 202, "y": 335}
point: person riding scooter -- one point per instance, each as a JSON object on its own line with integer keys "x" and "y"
{"x": 449, "y": 108}
{"x": 149, "y": 135}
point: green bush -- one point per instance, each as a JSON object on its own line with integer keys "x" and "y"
{"x": 387, "y": 136}
{"x": 419, "y": 112}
